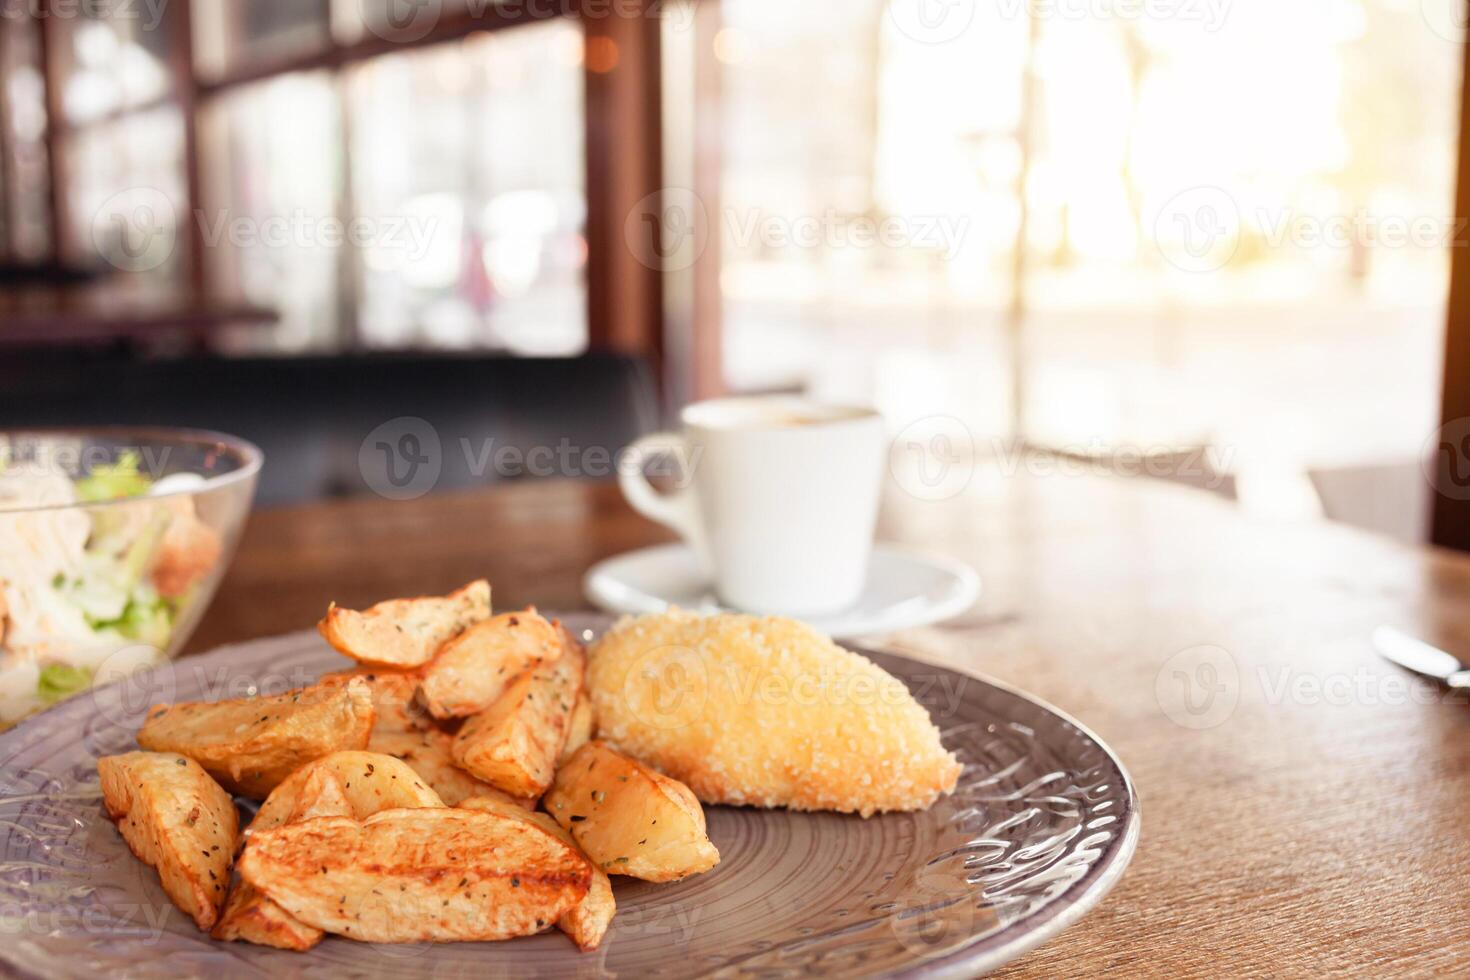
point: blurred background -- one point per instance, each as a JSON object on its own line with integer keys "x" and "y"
{"x": 1208, "y": 241}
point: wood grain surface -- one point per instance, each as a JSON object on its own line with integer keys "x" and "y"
{"x": 1303, "y": 801}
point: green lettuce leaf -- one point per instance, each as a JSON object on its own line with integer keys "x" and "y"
{"x": 61, "y": 681}
{"x": 144, "y": 621}
{"x": 112, "y": 481}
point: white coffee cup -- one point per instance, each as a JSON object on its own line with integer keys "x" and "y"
{"x": 778, "y": 500}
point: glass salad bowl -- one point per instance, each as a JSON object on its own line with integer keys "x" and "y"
{"x": 112, "y": 542}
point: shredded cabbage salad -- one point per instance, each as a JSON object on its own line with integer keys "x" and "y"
{"x": 89, "y": 594}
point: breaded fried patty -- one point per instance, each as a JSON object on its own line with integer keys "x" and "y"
{"x": 765, "y": 712}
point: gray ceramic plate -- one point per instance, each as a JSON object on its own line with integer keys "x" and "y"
{"x": 1041, "y": 826}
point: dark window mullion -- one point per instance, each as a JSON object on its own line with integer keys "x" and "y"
{"x": 185, "y": 85}
{"x": 350, "y": 261}
{"x": 9, "y": 246}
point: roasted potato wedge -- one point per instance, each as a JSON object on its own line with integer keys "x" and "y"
{"x": 628, "y": 818}
{"x": 394, "y": 694}
{"x": 414, "y": 875}
{"x": 580, "y": 727}
{"x": 405, "y": 632}
{"x": 177, "y": 819}
{"x": 369, "y": 783}
{"x": 249, "y": 915}
{"x": 427, "y": 753}
{"x": 322, "y": 795}
{"x": 472, "y": 670}
{"x": 515, "y": 744}
{"x": 250, "y": 745}
{"x": 586, "y": 923}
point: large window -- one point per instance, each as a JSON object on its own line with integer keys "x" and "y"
{"x": 272, "y": 189}
{"x": 230, "y": 36}
{"x": 109, "y": 59}
{"x": 467, "y": 165}
{"x": 1104, "y": 227}
{"x": 25, "y": 216}
{"x": 1101, "y": 225}
{"x": 376, "y": 181}
{"x": 125, "y": 196}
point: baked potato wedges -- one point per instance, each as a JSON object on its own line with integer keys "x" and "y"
{"x": 323, "y": 795}
{"x": 430, "y": 874}
{"x": 250, "y": 916}
{"x": 394, "y": 695}
{"x": 427, "y": 753}
{"x": 473, "y": 669}
{"x": 251, "y": 744}
{"x": 586, "y": 922}
{"x": 630, "y": 819}
{"x": 368, "y": 782}
{"x": 176, "y": 819}
{"x": 580, "y": 727}
{"x": 515, "y": 744}
{"x": 405, "y": 633}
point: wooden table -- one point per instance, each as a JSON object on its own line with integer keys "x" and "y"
{"x": 1317, "y": 826}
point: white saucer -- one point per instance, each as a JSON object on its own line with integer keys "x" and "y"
{"x": 903, "y": 589}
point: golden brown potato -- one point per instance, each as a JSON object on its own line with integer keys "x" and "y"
{"x": 369, "y": 782}
{"x": 427, "y": 753}
{"x": 176, "y": 819}
{"x": 405, "y": 632}
{"x": 394, "y": 697}
{"x": 472, "y": 670}
{"x": 250, "y": 916}
{"x": 251, "y": 744}
{"x": 414, "y": 875}
{"x": 586, "y": 923}
{"x": 515, "y": 744}
{"x": 580, "y": 727}
{"x": 405, "y": 731}
{"x": 630, "y": 819}
{"x": 322, "y": 795}
{"x": 765, "y": 711}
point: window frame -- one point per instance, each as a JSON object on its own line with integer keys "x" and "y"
{"x": 1450, "y": 509}
{"x": 622, "y": 162}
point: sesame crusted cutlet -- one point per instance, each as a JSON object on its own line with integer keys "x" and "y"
{"x": 765, "y": 711}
